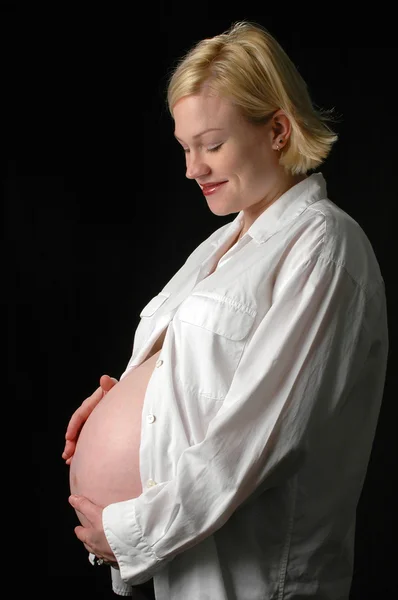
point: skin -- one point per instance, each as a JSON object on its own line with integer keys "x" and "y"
{"x": 81, "y": 415}
{"x": 93, "y": 537}
{"x": 237, "y": 152}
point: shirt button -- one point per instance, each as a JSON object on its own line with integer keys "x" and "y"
{"x": 150, "y": 419}
{"x": 159, "y": 362}
{"x": 150, "y": 483}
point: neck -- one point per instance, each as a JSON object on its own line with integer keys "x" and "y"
{"x": 251, "y": 214}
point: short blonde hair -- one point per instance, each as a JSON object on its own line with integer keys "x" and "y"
{"x": 248, "y": 66}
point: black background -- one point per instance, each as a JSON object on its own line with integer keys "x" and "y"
{"x": 99, "y": 215}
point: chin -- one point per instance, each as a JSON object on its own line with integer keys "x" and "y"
{"x": 222, "y": 213}
{"x": 221, "y": 209}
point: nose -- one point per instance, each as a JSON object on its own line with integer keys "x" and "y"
{"x": 196, "y": 167}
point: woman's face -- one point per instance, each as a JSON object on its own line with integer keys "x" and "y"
{"x": 233, "y": 161}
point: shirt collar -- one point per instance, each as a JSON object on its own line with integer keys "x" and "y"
{"x": 286, "y": 208}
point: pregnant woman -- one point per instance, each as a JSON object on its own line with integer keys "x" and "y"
{"x": 264, "y": 397}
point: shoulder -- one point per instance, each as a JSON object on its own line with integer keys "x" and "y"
{"x": 345, "y": 244}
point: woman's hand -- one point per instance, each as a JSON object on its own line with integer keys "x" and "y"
{"x": 81, "y": 415}
{"x": 93, "y": 535}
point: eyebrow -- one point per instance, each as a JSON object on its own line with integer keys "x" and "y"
{"x": 202, "y": 132}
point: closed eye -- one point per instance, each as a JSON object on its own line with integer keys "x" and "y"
{"x": 212, "y": 149}
{"x": 215, "y": 148}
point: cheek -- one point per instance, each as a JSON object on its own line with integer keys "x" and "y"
{"x": 254, "y": 168}
{"x": 261, "y": 157}
{"x": 231, "y": 164}
{"x": 255, "y": 175}
{"x": 249, "y": 166}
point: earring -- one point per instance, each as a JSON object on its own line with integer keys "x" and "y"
{"x": 277, "y": 147}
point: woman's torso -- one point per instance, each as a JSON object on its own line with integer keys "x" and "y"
{"x": 105, "y": 466}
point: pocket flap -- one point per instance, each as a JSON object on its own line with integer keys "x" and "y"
{"x": 221, "y": 315}
{"x": 155, "y": 303}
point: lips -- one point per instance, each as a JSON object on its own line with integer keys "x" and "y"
{"x": 209, "y": 188}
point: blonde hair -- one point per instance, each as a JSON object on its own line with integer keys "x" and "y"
{"x": 248, "y": 66}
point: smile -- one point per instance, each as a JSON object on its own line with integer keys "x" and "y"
{"x": 211, "y": 188}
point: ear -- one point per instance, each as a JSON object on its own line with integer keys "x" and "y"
{"x": 281, "y": 129}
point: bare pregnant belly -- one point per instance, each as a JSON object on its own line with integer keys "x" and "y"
{"x": 105, "y": 466}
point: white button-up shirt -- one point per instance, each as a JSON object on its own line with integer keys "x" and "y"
{"x": 259, "y": 418}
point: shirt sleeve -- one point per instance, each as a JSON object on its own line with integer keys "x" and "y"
{"x": 290, "y": 380}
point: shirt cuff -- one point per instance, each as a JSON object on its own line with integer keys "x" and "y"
{"x": 118, "y": 586}
{"x": 137, "y": 561}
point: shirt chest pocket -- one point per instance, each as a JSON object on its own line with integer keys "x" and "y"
{"x": 211, "y": 332}
{"x": 148, "y": 317}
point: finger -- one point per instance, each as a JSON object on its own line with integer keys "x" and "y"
{"x": 82, "y": 535}
{"x": 67, "y": 458}
{"x": 69, "y": 449}
{"x": 107, "y": 382}
{"x": 82, "y": 413}
{"x": 88, "y": 548}
{"x": 91, "y": 511}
